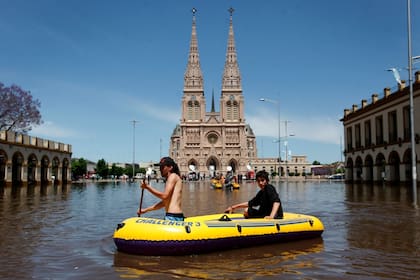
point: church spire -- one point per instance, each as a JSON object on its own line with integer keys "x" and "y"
{"x": 212, "y": 102}
{"x": 231, "y": 74}
{"x": 193, "y": 78}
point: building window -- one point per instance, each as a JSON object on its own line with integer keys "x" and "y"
{"x": 193, "y": 109}
{"x": 357, "y": 136}
{"x": 349, "y": 139}
{"x": 212, "y": 138}
{"x": 232, "y": 110}
{"x": 235, "y": 111}
{"x": 189, "y": 110}
{"x": 406, "y": 122}
{"x": 196, "y": 110}
{"x": 228, "y": 110}
{"x": 379, "y": 130}
{"x": 392, "y": 127}
{"x": 368, "y": 134}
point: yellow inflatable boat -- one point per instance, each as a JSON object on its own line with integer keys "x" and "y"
{"x": 217, "y": 185}
{"x": 203, "y": 234}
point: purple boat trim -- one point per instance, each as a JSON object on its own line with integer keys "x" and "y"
{"x": 188, "y": 247}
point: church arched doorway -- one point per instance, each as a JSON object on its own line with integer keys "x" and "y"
{"x": 213, "y": 165}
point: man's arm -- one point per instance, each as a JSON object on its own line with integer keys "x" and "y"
{"x": 274, "y": 210}
{"x": 156, "y": 206}
{"x": 169, "y": 186}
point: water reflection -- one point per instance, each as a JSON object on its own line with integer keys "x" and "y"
{"x": 65, "y": 232}
{"x": 248, "y": 263}
{"x": 378, "y": 193}
{"x": 381, "y": 220}
{"x": 393, "y": 217}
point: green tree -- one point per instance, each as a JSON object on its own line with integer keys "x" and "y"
{"x": 102, "y": 168}
{"x": 340, "y": 170}
{"x": 316, "y": 162}
{"x": 78, "y": 167}
{"x": 129, "y": 171}
{"x": 116, "y": 171}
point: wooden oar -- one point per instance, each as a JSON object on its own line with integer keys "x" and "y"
{"x": 141, "y": 199}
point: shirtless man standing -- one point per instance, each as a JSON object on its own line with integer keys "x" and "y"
{"x": 171, "y": 197}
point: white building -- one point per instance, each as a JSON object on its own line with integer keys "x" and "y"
{"x": 377, "y": 136}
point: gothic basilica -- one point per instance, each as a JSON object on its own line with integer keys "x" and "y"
{"x": 209, "y": 142}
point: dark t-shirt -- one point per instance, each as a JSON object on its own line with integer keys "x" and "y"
{"x": 262, "y": 204}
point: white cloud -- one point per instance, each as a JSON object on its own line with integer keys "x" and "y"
{"x": 160, "y": 113}
{"x": 311, "y": 128}
{"x": 154, "y": 111}
{"x": 50, "y": 130}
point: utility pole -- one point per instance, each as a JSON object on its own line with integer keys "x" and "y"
{"x": 134, "y": 145}
{"x": 160, "y": 149}
{"x": 286, "y": 144}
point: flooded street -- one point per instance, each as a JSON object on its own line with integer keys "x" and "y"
{"x": 65, "y": 232}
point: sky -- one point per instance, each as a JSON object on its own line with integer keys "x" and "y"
{"x": 96, "y": 66}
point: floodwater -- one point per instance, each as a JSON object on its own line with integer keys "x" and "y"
{"x": 65, "y": 232}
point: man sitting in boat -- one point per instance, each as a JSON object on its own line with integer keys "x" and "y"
{"x": 171, "y": 196}
{"x": 266, "y": 204}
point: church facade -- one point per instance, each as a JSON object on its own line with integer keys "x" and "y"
{"x": 208, "y": 142}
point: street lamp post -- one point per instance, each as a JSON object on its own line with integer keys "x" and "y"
{"x": 278, "y": 117}
{"x": 410, "y": 82}
{"x": 287, "y": 152}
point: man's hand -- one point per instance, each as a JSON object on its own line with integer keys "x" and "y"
{"x": 144, "y": 185}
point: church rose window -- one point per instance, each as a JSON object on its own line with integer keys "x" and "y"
{"x": 212, "y": 138}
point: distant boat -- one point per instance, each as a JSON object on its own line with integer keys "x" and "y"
{"x": 216, "y": 184}
{"x": 338, "y": 176}
{"x": 231, "y": 185}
